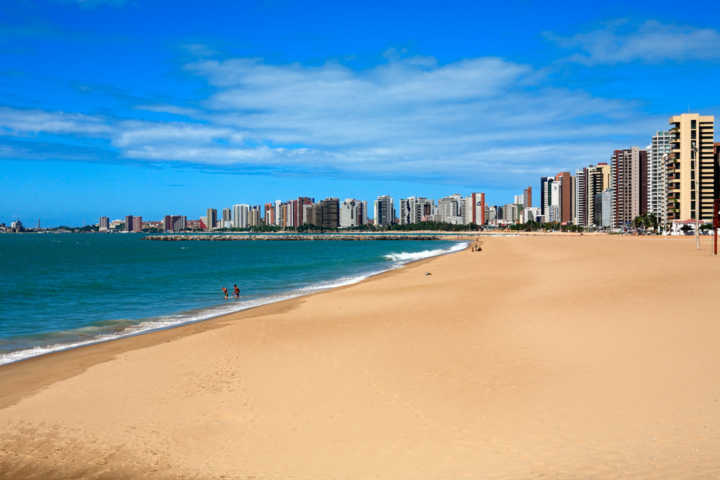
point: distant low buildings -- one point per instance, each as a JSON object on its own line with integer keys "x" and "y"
{"x": 175, "y": 223}
{"x": 133, "y": 224}
{"x": 17, "y": 226}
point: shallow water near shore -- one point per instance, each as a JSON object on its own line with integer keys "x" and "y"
{"x": 59, "y": 291}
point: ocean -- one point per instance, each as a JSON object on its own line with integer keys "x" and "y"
{"x": 60, "y": 291}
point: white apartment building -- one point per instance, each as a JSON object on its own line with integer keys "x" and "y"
{"x": 555, "y": 202}
{"x": 658, "y": 152}
{"x": 450, "y": 209}
{"x": 240, "y": 215}
{"x": 353, "y": 213}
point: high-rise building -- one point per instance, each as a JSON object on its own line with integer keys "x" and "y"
{"x": 269, "y": 214}
{"x": 133, "y": 224}
{"x": 240, "y": 214}
{"x": 606, "y": 212}
{"x": 573, "y": 209}
{"x": 451, "y": 209}
{"x": 330, "y": 213}
{"x": 352, "y": 213}
{"x": 717, "y": 170}
{"x": 475, "y": 208}
{"x": 555, "y": 198}
{"x": 629, "y": 183}
{"x": 424, "y": 209}
{"x": 527, "y": 197}
{"x": 597, "y": 181}
{"x": 299, "y": 210}
{"x": 511, "y": 212}
{"x": 211, "y": 218}
{"x": 658, "y": 152}
{"x": 690, "y": 167}
{"x": 529, "y": 214}
{"x": 277, "y": 212}
{"x": 286, "y": 214}
{"x": 565, "y": 201}
{"x": 407, "y": 208}
{"x": 307, "y": 214}
{"x": 580, "y": 217}
{"x": 255, "y": 216}
{"x": 104, "y": 224}
{"x": 175, "y": 223}
{"x": 545, "y": 183}
{"x": 415, "y": 210}
{"x": 407, "y": 211}
{"x": 384, "y": 211}
{"x": 226, "y": 221}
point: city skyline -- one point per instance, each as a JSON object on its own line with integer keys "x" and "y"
{"x": 249, "y": 105}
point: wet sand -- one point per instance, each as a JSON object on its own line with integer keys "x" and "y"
{"x": 557, "y": 357}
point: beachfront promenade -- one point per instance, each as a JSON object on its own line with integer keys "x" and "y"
{"x": 541, "y": 356}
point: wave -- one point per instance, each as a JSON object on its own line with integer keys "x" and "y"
{"x": 405, "y": 257}
{"x": 107, "y": 330}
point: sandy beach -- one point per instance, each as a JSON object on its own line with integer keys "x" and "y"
{"x": 558, "y": 357}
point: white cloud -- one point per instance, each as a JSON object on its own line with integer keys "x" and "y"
{"x": 28, "y": 121}
{"x": 199, "y": 50}
{"x": 132, "y": 133}
{"x": 482, "y": 118}
{"x": 172, "y": 109}
{"x": 651, "y": 41}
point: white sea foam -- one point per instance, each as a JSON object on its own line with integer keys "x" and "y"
{"x": 168, "y": 321}
{"x": 405, "y": 257}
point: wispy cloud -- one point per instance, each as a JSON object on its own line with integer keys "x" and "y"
{"x": 18, "y": 121}
{"x": 199, "y": 50}
{"x": 171, "y": 109}
{"x": 412, "y": 118}
{"x": 651, "y": 41}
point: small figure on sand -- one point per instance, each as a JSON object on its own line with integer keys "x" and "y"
{"x": 225, "y": 292}
{"x": 237, "y": 291}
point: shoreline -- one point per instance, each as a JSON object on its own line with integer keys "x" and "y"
{"x": 539, "y": 357}
{"x": 131, "y": 341}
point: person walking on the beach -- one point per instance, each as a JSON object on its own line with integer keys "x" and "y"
{"x": 237, "y": 291}
{"x": 225, "y": 292}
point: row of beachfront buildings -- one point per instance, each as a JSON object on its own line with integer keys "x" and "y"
{"x": 674, "y": 178}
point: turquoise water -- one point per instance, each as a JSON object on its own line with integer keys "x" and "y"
{"x": 63, "y": 290}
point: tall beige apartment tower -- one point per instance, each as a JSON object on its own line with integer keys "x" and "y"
{"x": 690, "y": 165}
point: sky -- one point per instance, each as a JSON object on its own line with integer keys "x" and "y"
{"x": 153, "y": 107}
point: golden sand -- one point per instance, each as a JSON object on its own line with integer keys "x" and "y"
{"x": 558, "y": 357}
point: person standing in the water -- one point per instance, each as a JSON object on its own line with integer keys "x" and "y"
{"x": 225, "y": 292}
{"x": 237, "y": 291}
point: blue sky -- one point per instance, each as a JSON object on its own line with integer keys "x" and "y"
{"x": 149, "y": 107}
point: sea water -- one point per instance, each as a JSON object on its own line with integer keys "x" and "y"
{"x": 60, "y": 291}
